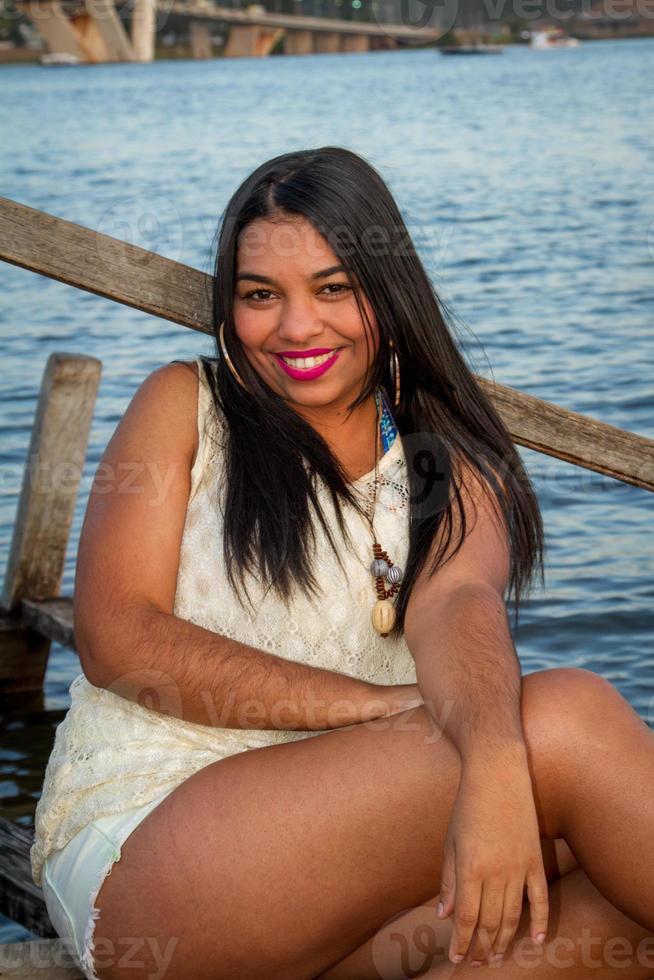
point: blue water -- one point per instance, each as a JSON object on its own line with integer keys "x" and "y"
{"x": 527, "y": 182}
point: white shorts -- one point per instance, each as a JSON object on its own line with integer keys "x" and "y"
{"x": 73, "y": 875}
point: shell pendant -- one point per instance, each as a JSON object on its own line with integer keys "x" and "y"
{"x": 383, "y": 570}
{"x": 383, "y": 616}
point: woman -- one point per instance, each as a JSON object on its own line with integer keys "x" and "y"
{"x": 317, "y": 538}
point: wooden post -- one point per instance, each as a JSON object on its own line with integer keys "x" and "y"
{"x": 45, "y": 510}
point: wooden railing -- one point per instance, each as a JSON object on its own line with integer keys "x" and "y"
{"x": 135, "y": 277}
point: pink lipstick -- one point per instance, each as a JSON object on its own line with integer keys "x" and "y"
{"x": 309, "y": 373}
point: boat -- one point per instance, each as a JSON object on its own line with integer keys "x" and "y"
{"x": 59, "y": 58}
{"x": 473, "y": 49}
{"x": 552, "y": 37}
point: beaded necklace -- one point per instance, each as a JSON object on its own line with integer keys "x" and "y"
{"x": 382, "y": 569}
{"x": 388, "y": 426}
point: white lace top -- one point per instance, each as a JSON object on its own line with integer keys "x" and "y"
{"x": 111, "y": 753}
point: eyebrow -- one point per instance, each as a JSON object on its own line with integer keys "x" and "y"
{"x": 316, "y": 275}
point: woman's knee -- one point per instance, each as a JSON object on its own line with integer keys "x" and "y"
{"x": 569, "y": 701}
{"x": 564, "y": 712}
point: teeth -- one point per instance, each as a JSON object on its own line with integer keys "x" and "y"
{"x": 306, "y": 362}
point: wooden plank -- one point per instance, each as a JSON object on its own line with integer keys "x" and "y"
{"x": 51, "y": 478}
{"x": 52, "y": 618}
{"x": 39, "y": 959}
{"x": 147, "y": 281}
{"x": 104, "y": 265}
{"x": 20, "y": 898}
{"x": 573, "y": 437}
{"x": 25, "y": 642}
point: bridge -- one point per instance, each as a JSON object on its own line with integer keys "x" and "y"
{"x": 93, "y": 32}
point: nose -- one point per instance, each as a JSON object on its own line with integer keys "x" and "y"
{"x": 298, "y": 325}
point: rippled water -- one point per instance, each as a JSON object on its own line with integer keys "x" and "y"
{"x": 527, "y": 181}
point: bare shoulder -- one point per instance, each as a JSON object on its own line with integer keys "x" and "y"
{"x": 166, "y": 405}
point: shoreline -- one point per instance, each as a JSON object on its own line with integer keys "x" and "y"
{"x": 182, "y": 52}
{"x": 32, "y": 56}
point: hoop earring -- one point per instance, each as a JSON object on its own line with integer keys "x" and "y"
{"x": 395, "y": 374}
{"x": 228, "y": 360}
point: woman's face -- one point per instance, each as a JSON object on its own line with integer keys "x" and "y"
{"x": 291, "y": 297}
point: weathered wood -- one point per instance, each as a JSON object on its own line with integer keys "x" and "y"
{"x": 104, "y": 265}
{"x": 136, "y": 277}
{"x": 52, "y": 618}
{"x": 44, "y": 515}
{"x": 39, "y": 959}
{"x": 51, "y": 478}
{"x": 23, "y": 657}
{"x": 25, "y": 639}
{"x": 20, "y": 898}
{"x": 573, "y": 437}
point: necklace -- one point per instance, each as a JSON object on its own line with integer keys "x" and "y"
{"x": 382, "y": 569}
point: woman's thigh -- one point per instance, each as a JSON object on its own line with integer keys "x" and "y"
{"x": 279, "y": 861}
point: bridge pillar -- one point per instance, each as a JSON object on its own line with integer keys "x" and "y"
{"x": 95, "y": 35}
{"x": 116, "y": 43}
{"x": 298, "y": 42}
{"x": 326, "y": 42}
{"x": 242, "y": 40}
{"x": 356, "y": 42}
{"x": 54, "y": 27}
{"x": 90, "y": 38}
{"x": 200, "y": 36}
{"x": 143, "y": 29}
{"x": 267, "y": 39}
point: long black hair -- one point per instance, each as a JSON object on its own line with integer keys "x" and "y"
{"x": 273, "y": 457}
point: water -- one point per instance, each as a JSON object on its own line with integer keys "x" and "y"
{"x": 527, "y": 181}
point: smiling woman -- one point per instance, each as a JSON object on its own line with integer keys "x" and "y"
{"x": 314, "y": 260}
{"x": 337, "y": 405}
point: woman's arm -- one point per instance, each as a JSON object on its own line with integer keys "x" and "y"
{"x": 127, "y": 637}
{"x": 470, "y": 675}
{"x": 457, "y": 630}
{"x": 180, "y": 669}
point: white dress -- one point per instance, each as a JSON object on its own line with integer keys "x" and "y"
{"x": 111, "y": 753}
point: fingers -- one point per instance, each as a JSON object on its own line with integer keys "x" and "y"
{"x": 447, "y": 892}
{"x": 486, "y": 912}
{"x": 490, "y": 921}
{"x": 511, "y": 915}
{"x": 496, "y": 930}
{"x": 538, "y": 894}
{"x": 466, "y": 915}
{"x": 487, "y": 915}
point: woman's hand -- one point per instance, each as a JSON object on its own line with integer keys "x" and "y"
{"x": 492, "y": 849}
